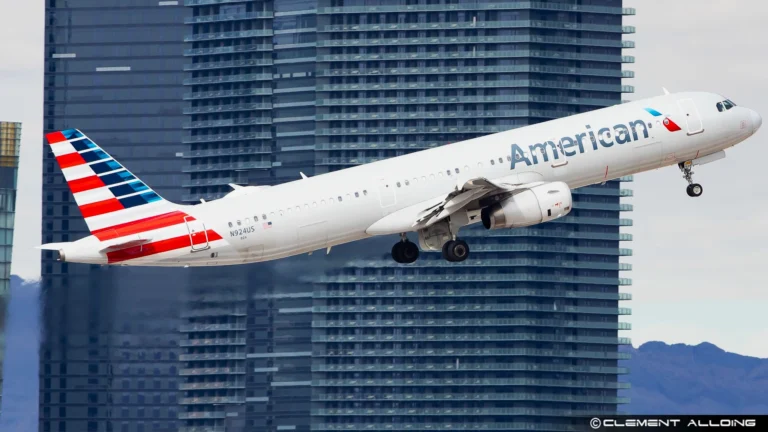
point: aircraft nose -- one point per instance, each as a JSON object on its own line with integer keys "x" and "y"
{"x": 757, "y": 121}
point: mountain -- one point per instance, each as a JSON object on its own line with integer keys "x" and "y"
{"x": 700, "y": 379}
{"x": 20, "y": 380}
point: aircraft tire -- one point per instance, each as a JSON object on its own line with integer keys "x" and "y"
{"x": 694, "y": 190}
{"x": 455, "y": 250}
{"x": 409, "y": 252}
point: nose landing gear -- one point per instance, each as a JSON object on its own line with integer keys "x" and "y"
{"x": 693, "y": 189}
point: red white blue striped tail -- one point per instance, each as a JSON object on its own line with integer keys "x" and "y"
{"x": 112, "y": 200}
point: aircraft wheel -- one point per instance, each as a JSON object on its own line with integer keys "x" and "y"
{"x": 397, "y": 252}
{"x": 410, "y": 252}
{"x": 694, "y": 190}
{"x": 455, "y": 250}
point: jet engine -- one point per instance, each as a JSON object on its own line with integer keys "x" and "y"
{"x": 529, "y": 207}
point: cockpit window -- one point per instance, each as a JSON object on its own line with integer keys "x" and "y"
{"x": 725, "y": 105}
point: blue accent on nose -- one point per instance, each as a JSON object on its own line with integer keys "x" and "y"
{"x": 653, "y": 112}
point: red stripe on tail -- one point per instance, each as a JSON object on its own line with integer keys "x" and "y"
{"x": 85, "y": 184}
{"x": 55, "y": 137}
{"x": 70, "y": 160}
{"x": 141, "y": 225}
{"x": 101, "y": 207}
{"x": 161, "y": 246}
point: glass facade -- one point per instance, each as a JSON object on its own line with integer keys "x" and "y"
{"x": 10, "y": 142}
{"x": 196, "y": 95}
{"x": 109, "y": 359}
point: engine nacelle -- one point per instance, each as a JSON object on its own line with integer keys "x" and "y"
{"x": 530, "y": 207}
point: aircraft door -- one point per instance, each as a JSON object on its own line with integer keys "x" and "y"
{"x": 692, "y": 116}
{"x": 198, "y": 236}
{"x": 387, "y": 193}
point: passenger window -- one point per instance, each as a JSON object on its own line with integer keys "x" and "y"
{"x": 306, "y": 206}
{"x": 298, "y": 208}
{"x": 264, "y": 217}
{"x": 509, "y": 159}
{"x": 423, "y": 178}
{"x": 238, "y": 223}
{"x": 314, "y": 204}
{"x": 501, "y": 160}
{"x": 365, "y": 192}
{"x": 431, "y": 176}
{"x": 407, "y": 183}
{"x": 339, "y": 198}
{"x": 322, "y": 202}
{"x": 493, "y": 162}
{"x": 457, "y": 170}
{"x": 255, "y": 218}
{"x": 281, "y": 212}
{"x": 357, "y": 194}
{"x": 230, "y": 224}
{"x": 247, "y": 221}
{"x": 289, "y": 210}
{"x": 448, "y": 172}
{"x": 466, "y": 167}
{"x": 398, "y": 184}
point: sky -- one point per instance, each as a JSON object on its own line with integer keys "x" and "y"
{"x": 696, "y": 274}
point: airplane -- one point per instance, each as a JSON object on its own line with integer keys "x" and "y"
{"x": 517, "y": 178}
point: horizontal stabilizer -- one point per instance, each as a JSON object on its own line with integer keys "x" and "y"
{"x": 53, "y": 246}
{"x": 114, "y": 246}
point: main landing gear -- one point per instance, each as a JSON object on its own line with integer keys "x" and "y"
{"x": 405, "y": 251}
{"x": 694, "y": 189}
{"x": 455, "y": 250}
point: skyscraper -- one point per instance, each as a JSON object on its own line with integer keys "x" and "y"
{"x": 523, "y": 334}
{"x": 109, "y": 354}
{"x": 10, "y": 142}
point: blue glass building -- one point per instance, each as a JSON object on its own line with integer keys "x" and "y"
{"x": 109, "y": 356}
{"x": 195, "y": 95}
{"x": 10, "y": 142}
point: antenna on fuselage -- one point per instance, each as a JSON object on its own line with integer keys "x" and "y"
{"x": 234, "y": 186}
{"x": 303, "y": 175}
{"x": 666, "y": 92}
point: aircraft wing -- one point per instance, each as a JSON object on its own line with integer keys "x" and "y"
{"x": 472, "y": 190}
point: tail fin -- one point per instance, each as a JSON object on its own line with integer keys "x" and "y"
{"x": 110, "y": 197}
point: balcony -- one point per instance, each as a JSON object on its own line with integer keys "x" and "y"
{"x": 470, "y": 40}
{"x": 471, "y": 338}
{"x": 215, "y": 138}
{"x": 467, "y": 293}
{"x": 211, "y": 342}
{"x": 201, "y": 19}
{"x": 228, "y": 35}
{"x": 212, "y": 371}
{"x": 228, "y": 122}
{"x": 188, "y": 328}
{"x": 228, "y": 49}
{"x": 470, "y": 352}
{"x": 466, "y": 99}
{"x": 215, "y": 109}
{"x": 516, "y": 322}
{"x": 202, "y": 415}
{"x": 212, "y": 400}
{"x": 496, "y": 5}
{"x": 212, "y": 385}
{"x": 439, "y": 115}
{"x": 213, "y": 311}
{"x": 474, "y": 25}
{"x": 519, "y": 53}
{"x": 236, "y": 151}
{"x": 218, "y": 181}
{"x": 464, "y": 308}
{"x": 227, "y": 93}
{"x": 520, "y": 262}
{"x": 350, "y": 70}
{"x": 231, "y": 64}
{"x": 230, "y": 166}
{"x": 469, "y": 366}
{"x": 231, "y": 79}
{"x": 212, "y": 356}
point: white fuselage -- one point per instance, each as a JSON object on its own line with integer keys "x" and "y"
{"x": 348, "y": 205}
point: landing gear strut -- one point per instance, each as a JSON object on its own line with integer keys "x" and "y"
{"x": 694, "y": 189}
{"x": 405, "y": 251}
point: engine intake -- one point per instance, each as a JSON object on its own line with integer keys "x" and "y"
{"x": 532, "y": 206}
